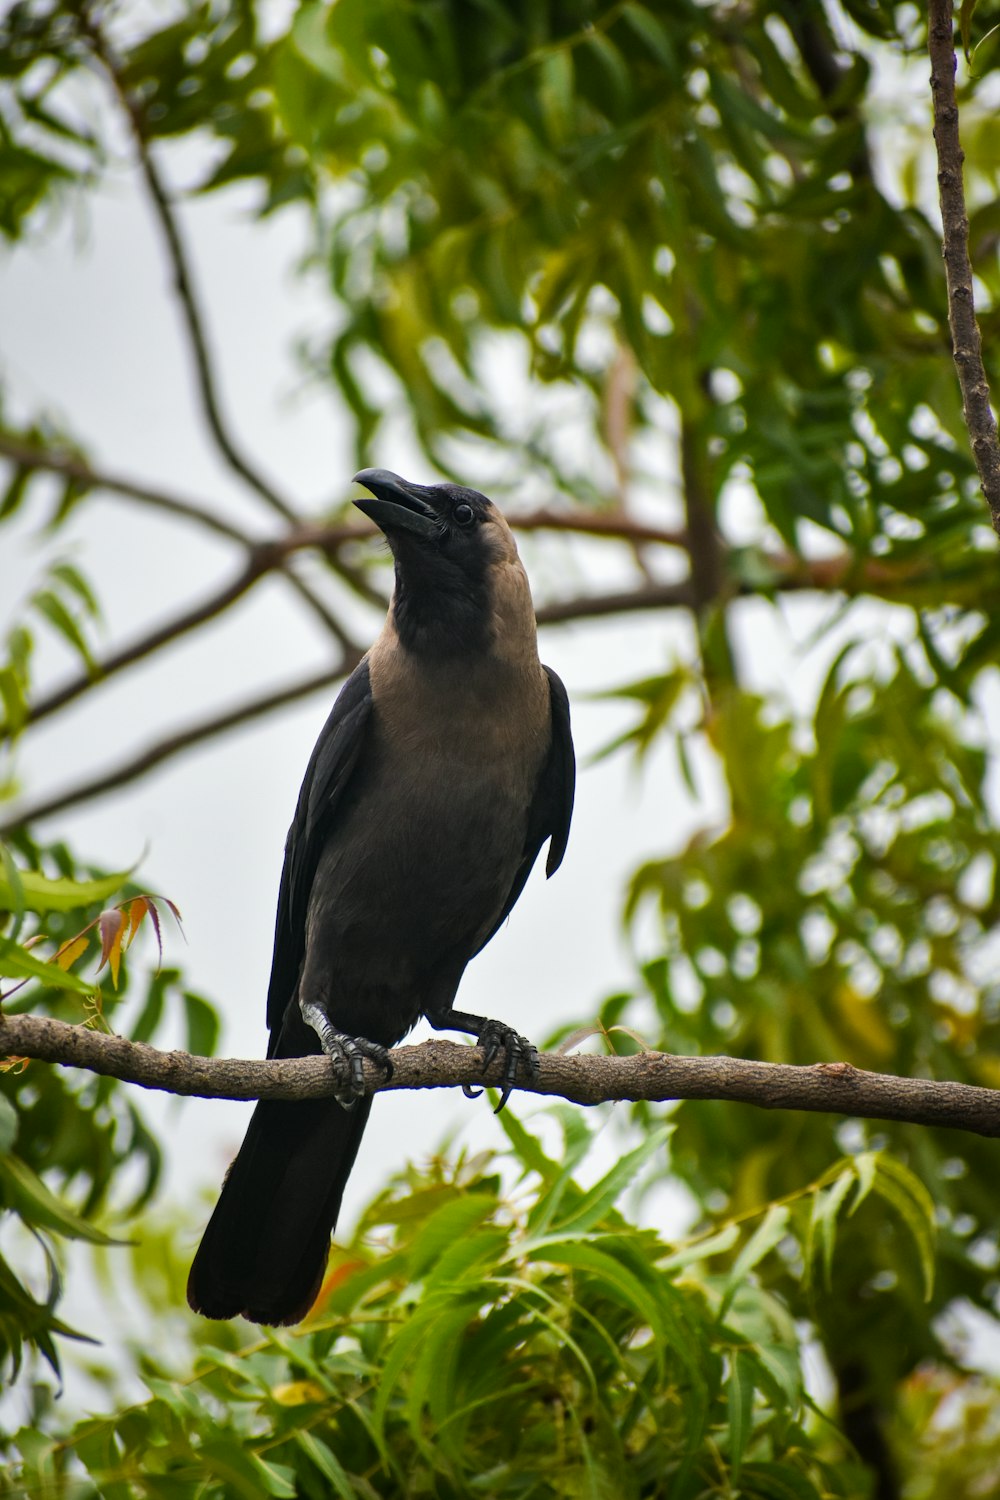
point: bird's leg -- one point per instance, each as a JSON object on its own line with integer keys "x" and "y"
{"x": 493, "y": 1037}
{"x": 346, "y": 1052}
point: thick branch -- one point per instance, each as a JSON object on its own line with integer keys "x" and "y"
{"x": 965, "y": 339}
{"x": 823, "y": 1088}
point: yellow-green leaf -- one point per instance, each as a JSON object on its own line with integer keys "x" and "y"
{"x": 18, "y": 963}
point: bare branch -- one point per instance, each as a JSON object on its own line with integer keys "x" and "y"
{"x": 823, "y": 1088}
{"x": 881, "y": 578}
{"x": 965, "y": 339}
{"x": 145, "y": 645}
{"x": 173, "y": 744}
{"x": 264, "y": 557}
{"x": 51, "y": 462}
{"x": 177, "y": 256}
{"x": 610, "y": 524}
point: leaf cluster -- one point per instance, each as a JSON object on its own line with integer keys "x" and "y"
{"x": 473, "y": 1339}
{"x": 846, "y": 911}
{"x": 84, "y": 1134}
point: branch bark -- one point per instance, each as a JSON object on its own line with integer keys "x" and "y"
{"x": 965, "y": 338}
{"x": 822, "y": 1088}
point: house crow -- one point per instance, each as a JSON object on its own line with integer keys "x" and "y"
{"x": 446, "y": 764}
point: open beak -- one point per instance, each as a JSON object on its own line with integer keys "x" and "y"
{"x": 398, "y": 504}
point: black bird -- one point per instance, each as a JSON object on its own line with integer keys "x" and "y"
{"x": 445, "y": 765}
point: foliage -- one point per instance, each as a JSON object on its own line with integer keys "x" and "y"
{"x": 80, "y": 1131}
{"x": 694, "y": 241}
{"x": 476, "y": 1341}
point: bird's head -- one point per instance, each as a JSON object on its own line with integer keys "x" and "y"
{"x": 460, "y": 585}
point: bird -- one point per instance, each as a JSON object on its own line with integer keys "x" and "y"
{"x": 445, "y": 765}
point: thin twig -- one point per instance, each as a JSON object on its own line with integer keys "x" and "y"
{"x": 263, "y": 558}
{"x": 610, "y": 524}
{"x": 177, "y": 256}
{"x": 965, "y": 338}
{"x": 173, "y": 744}
{"x": 181, "y": 624}
{"x": 830, "y": 573}
{"x": 823, "y": 1088}
{"x": 49, "y": 461}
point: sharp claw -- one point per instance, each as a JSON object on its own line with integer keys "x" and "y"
{"x": 347, "y": 1055}
{"x": 494, "y": 1038}
{"x": 490, "y": 1049}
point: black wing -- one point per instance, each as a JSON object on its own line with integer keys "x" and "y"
{"x": 330, "y": 765}
{"x": 551, "y": 807}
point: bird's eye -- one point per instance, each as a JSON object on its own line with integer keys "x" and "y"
{"x": 464, "y": 515}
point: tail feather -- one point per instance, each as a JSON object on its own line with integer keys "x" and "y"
{"x": 265, "y": 1249}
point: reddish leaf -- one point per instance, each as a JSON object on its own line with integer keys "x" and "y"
{"x": 112, "y": 926}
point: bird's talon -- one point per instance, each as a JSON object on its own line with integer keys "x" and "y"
{"x": 470, "y": 1092}
{"x": 517, "y": 1050}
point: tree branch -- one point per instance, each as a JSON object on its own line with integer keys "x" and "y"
{"x": 47, "y": 460}
{"x": 183, "y": 279}
{"x": 823, "y": 1088}
{"x": 884, "y": 581}
{"x": 145, "y": 645}
{"x": 965, "y": 338}
{"x": 173, "y": 744}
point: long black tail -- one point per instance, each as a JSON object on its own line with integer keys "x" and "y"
{"x": 264, "y": 1252}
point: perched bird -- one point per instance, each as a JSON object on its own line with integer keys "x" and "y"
{"x": 446, "y": 764}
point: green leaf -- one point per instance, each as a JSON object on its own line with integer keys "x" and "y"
{"x": 965, "y": 15}
{"x": 11, "y": 884}
{"x": 202, "y": 1025}
{"x": 451, "y": 1224}
{"x": 906, "y": 1193}
{"x": 604, "y": 1263}
{"x": 777, "y": 1481}
{"x": 865, "y": 1165}
{"x": 18, "y": 963}
{"x": 826, "y": 1206}
{"x": 555, "y": 95}
{"x": 741, "y": 1388}
{"x": 40, "y": 893}
{"x": 595, "y": 1203}
{"x": 651, "y": 31}
{"x": 52, "y": 607}
{"x": 768, "y": 1233}
{"x": 8, "y": 1125}
{"x": 702, "y": 1249}
{"x": 243, "y": 1471}
{"x": 25, "y": 1192}
{"x": 77, "y": 584}
{"x": 15, "y": 704}
{"x": 527, "y": 1148}
{"x": 327, "y": 1463}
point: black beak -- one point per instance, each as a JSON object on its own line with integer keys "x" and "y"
{"x": 398, "y": 504}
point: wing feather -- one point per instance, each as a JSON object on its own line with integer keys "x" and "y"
{"x": 328, "y": 773}
{"x": 551, "y": 809}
